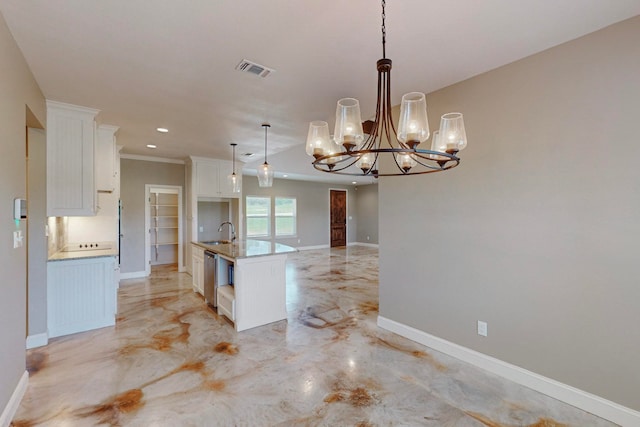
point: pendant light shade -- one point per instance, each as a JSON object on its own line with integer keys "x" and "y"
{"x": 234, "y": 180}
{"x": 265, "y": 171}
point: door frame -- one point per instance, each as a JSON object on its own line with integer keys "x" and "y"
{"x": 346, "y": 207}
{"x": 147, "y": 225}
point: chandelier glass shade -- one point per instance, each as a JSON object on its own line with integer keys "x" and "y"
{"x": 234, "y": 180}
{"x": 357, "y": 147}
{"x": 265, "y": 171}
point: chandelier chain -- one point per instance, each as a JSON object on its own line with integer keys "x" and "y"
{"x": 384, "y": 30}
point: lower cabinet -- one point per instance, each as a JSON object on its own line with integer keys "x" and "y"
{"x": 227, "y": 302}
{"x": 258, "y": 294}
{"x": 81, "y": 295}
{"x": 197, "y": 268}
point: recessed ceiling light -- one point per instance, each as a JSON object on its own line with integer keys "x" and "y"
{"x": 353, "y": 182}
{"x": 151, "y": 146}
{"x": 162, "y": 130}
{"x": 285, "y": 175}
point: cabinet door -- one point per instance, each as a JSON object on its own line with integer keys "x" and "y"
{"x": 106, "y": 158}
{"x": 207, "y": 178}
{"x": 70, "y": 160}
{"x": 197, "y": 267}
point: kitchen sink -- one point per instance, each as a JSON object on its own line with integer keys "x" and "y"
{"x": 216, "y": 242}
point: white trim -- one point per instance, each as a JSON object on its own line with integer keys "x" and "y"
{"x": 14, "y": 402}
{"x": 133, "y": 275}
{"x": 151, "y": 159}
{"x": 37, "y": 340}
{"x": 371, "y": 245}
{"x": 580, "y": 399}
{"x": 310, "y": 248}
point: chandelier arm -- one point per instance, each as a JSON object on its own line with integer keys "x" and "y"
{"x": 393, "y": 126}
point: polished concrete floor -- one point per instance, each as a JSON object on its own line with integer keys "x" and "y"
{"x": 171, "y": 361}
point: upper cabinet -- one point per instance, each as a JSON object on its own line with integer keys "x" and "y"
{"x": 211, "y": 177}
{"x": 106, "y": 158}
{"x": 70, "y": 160}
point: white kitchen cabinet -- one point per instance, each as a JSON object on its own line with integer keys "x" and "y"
{"x": 81, "y": 295}
{"x": 211, "y": 177}
{"x": 70, "y": 160}
{"x": 197, "y": 268}
{"x": 106, "y": 158}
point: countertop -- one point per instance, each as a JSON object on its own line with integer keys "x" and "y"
{"x": 64, "y": 255}
{"x": 247, "y": 248}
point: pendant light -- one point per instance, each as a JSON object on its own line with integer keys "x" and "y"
{"x": 265, "y": 171}
{"x": 358, "y": 146}
{"x": 234, "y": 180}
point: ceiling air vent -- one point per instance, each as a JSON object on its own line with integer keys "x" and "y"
{"x": 253, "y": 68}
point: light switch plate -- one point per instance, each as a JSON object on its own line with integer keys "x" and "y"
{"x": 482, "y": 328}
{"x": 17, "y": 239}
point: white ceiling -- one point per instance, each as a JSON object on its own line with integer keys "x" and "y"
{"x": 171, "y": 63}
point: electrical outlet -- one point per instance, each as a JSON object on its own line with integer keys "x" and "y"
{"x": 483, "y": 328}
{"x": 298, "y": 240}
{"x": 202, "y": 229}
{"x": 367, "y": 237}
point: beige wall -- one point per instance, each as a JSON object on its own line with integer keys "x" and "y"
{"x": 134, "y": 175}
{"x": 37, "y": 244}
{"x": 537, "y": 231}
{"x": 18, "y": 91}
{"x": 367, "y": 208}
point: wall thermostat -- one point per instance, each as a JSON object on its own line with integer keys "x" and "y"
{"x": 19, "y": 209}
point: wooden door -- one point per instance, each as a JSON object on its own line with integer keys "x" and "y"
{"x": 338, "y": 224}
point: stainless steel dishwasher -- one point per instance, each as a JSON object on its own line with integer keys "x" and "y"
{"x": 210, "y": 273}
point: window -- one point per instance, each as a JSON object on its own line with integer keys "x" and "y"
{"x": 258, "y": 216}
{"x": 285, "y": 216}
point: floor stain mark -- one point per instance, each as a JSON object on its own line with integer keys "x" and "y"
{"x": 415, "y": 353}
{"x": 226, "y": 348}
{"x": 109, "y": 412}
{"x": 36, "y": 361}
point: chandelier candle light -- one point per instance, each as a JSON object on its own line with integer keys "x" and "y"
{"x": 265, "y": 172}
{"x": 234, "y": 181}
{"x": 349, "y": 147}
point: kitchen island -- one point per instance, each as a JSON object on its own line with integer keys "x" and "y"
{"x": 249, "y": 280}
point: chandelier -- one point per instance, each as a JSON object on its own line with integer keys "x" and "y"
{"x": 348, "y": 146}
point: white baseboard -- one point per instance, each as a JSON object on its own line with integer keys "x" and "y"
{"x": 133, "y": 275}
{"x": 581, "y": 399}
{"x": 370, "y": 245}
{"x": 310, "y": 248}
{"x": 37, "y": 340}
{"x": 14, "y": 402}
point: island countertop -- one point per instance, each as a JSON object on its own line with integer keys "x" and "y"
{"x": 247, "y": 248}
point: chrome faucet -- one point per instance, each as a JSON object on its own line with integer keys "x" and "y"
{"x": 233, "y": 230}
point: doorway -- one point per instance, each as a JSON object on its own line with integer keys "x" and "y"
{"x": 163, "y": 223}
{"x": 338, "y": 217}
